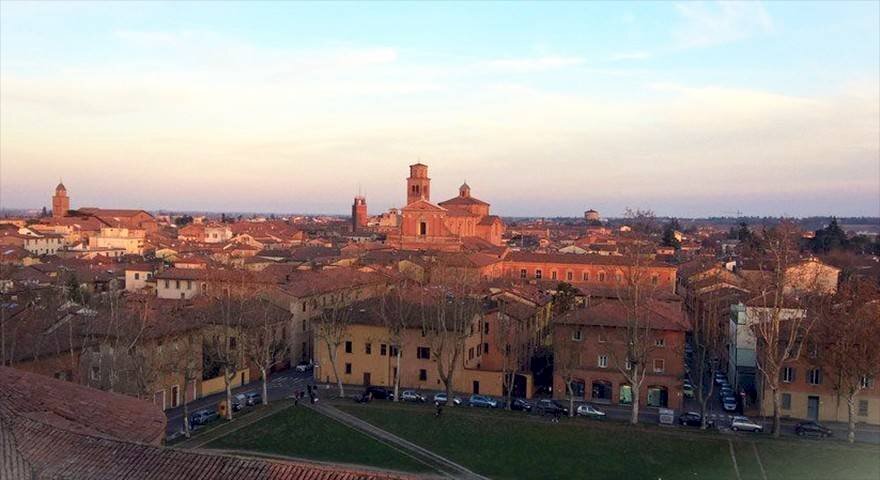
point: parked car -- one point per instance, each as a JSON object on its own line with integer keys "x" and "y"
{"x": 362, "y": 397}
{"x": 729, "y": 403}
{"x": 725, "y": 392}
{"x": 380, "y": 393}
{"x": 303, "y": 366}
{"x": 482, "y": 401}
{"x": 743, "y": 423}
{"x": 521, "y": 405}
{"x": 202, "y": 417}
{"x": 694, "y": 419}
{"x": 411, "y": 396}
{"x": 720, "y": 378}
{"x": 587, "y": 410}
{"x": 547, "y": 406}
{"x": 253, "y": 398}
{"x": 441, "y": 399}
{"x": 812, "y": 428}
{"x": 240, "y": 398}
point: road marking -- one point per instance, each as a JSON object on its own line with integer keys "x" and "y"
{"x": 760, "y": 464}
{"x": 733, "y": 457}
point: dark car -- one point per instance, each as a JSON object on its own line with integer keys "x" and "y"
{"x": 693, "y": 419}
{"x": 362, "y": 398}
{"x": 551, "y": 407}
{"x": 812, "y": 428}
{"x": 202, "y": 417}
{"x": 521, "y": 405}
{"x": 252, "y": 398}
{"x": 380, "y": 393}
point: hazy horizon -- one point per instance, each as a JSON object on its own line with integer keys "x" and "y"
{"x": 689, "y": 109}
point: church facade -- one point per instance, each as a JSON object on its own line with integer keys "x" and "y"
{"x": 446, "y": 225}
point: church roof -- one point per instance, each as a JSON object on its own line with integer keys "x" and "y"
{"x": 462, "y": 201}
{"x": 424, "y": 205}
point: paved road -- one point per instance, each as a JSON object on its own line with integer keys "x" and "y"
{"x": 281, "y": 384}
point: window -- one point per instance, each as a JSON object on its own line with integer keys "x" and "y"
{"x": 479, "y": 351}
{"x": 348, "y": 368}
{"x": 577, "y": 335}
{"x": 304, "y": 306}
{"x": 815, "y": 376}
{"x": 177, "y": 284}
{"x": 383, "y": 349}
{"x": 602, "y": 337}
{"x": 485, "y": 348}
{"x": 189, "y": 285}
{"x": 182, "y": 295}
{"x": 867, "y": 382}
{"x": 167, "y": 283}
{"x": 569, "y": 276}
{"x": 603, "y": 361}
{"x": 660, "y": 342}
{"x": 627, "y": 365}
{"x": 786, "y": 401}
{"x": 601, "y": 276}
{"x": 863, "y": 408}
{"x": 137, "y": 276}
{"x": 787, "y": 375}
{"x": 368, "y": 348}
{"x": 232, "y": 343}
{"x": 655, "y": 279}
{"x": 523, "y": 273}
{"x": 423, "y": 228}
{"x": 585, "y": 276}
{"x": 553, "y": 275}
{"x": 347, "y": 347}
{"x": 538, "y": 273}
{"x": 423, "y": 374}
{"x": 659, "y": 365}
{"x": 95, "y": 373}
{"x": 618, "y": 277}
{"x": 471, "y": 353}
{"x": 486, "y": 328}
{"x": 392, "y": 350}
{"x": 423, "y": 353}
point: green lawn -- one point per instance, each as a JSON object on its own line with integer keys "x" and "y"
{"x": 505, "y": 445}
{"x": 300, "y": 432}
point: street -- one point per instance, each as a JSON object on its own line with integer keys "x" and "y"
{"x": 281, "y": 384}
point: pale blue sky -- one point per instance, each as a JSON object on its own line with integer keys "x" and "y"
{"x": 545, "y": 108}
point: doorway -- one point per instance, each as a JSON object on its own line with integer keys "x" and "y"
{"x": 813, "y": 408}
{"x": 476, "y": 387}
{"x": 366, "y": 379}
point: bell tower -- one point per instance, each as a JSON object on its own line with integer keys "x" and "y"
{"x": 358, "y": 213}
{"x": 60, "y": 201}
{"x": 418, "y": 184}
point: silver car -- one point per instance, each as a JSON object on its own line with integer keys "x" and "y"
{"x": 743, "y": 423}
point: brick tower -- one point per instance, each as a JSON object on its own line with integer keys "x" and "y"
{"x": 358, "y": 213}
{"x": 418, "y": 184}
{"x": 60, "y": 201}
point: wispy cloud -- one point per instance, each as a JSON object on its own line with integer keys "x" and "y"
{"x": 624, "y": 56}
{"x": 705, "y": 24}
{"x": 535, "y": 64}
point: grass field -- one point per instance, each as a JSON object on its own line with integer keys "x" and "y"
{"x": 300, "y": 432}
{"x": 505, "y": 445}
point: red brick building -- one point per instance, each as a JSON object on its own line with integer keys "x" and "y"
{"x": 597, "y": 334}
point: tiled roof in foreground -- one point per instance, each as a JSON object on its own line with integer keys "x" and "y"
{"x": 39, "y": 447}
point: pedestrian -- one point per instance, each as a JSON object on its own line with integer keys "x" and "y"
{"x": 439, "y": 411}
{"x": 556, "y": 416}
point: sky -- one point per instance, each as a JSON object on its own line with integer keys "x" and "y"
{"x": 545, "y": 109}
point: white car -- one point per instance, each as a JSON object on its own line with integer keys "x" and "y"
{"x": 412, "y": 396}
{"x": 587, "y": 410}
{"x": 743, "y": 423}
{"x": 305, "y": 366}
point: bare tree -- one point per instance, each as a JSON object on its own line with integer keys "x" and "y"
{"x": 781, "y": 322}
{"x": 512, "y": 335}
{"x": 636, "y": 289}
{"x": 226, "y": 314}
{"x": 449, "y": 310}
{"x": 707, "y": 338}
{"x": 264, "y": 346}
{"x": 187, "y": 362}
{"x": 566, "y": 362}
{"x": 396, "y": 309}
{"x": 848, "y": 339}
{"x": 332, "y": 328}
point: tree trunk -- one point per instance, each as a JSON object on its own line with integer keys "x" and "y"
{"x": 228, "y": 382}
{"x": 510, "y": 390}
{"x": 185, "y": 410}
{"x": 397, "y": 377}
{"x": 264, "y": 373}
{"x": 634, "y": 417}
{"x": 570, "y": 400}
{"x": 777, "y": 404}
{"x": 851, "y": 420}
{"x": 336, "y": 372}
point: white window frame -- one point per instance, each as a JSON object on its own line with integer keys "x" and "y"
{"x": 787, "y": 374}
{"x": 577, "y": 335}
{"x": 602, "y": 361}
{"x": 662, "y": 365}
